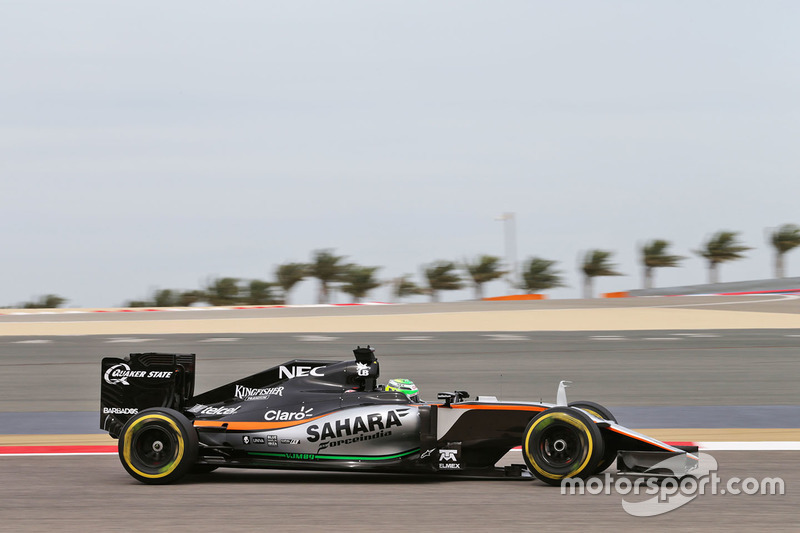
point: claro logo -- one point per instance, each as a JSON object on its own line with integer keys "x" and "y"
{"x": 276, "y": 414}
{"x": 298, "y": 371}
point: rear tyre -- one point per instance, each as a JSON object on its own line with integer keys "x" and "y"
{"x": 158, "y": 446}
{"x": 561, "y": 443}
{"x": 598, "y": 411}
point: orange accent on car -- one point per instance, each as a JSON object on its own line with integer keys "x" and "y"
{"x": 640, "y": 439}
{"x": 499, "y": 407}
{"x": 251, "y": 426}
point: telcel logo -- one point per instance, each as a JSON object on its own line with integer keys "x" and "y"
{"x": 298, "y": 371}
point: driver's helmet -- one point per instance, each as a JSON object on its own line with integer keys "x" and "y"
{"x": 405, "y": 386}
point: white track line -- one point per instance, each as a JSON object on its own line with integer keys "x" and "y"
{"x": 315, "y": 338}
{"x": 130, "y": 340}
{"x": 737, "y": 446}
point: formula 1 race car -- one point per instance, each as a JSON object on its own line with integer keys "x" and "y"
{"x": 325, "y": 415}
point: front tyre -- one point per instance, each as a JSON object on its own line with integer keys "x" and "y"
{"x": 158, "y": 446}
{"x": 598, "y": 411}
{"x": 594, "y": 409}
{"x": 562, "y": 443}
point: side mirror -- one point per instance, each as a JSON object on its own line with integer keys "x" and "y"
{"x": 453, "y": 397}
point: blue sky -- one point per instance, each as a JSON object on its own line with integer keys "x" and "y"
{"x": 154, "y": 145}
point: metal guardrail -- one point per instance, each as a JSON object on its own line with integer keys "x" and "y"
{"x": 736, "y": 287}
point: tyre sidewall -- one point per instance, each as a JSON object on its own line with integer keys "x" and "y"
{"x": 582, "y": 433}
{"x": 594, "y": 409}
{"x": 598, "y": 411}
{"x": 176, "y": 429}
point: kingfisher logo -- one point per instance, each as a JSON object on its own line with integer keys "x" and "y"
{"x": 247, "y": 393}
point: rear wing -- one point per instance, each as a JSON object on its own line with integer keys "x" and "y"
{"x": 140, "y": 381}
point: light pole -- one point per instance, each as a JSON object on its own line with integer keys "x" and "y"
{"x": 509, "y": 233}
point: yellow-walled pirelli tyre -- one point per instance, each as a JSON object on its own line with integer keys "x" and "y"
{"x": 598, "y": 411}
{"x": 158, "y": 446}
{"x": 594, "y": 409}
{"x": 560, "y": 443}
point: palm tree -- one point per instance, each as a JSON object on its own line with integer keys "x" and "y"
{"x": 223, "y": 291}
{"x": 260, "y": 293}
{"x": 596, "y": 263}
{"x": 441, "y": 277}
{"x": 538, "y": 275}
{"x": 165, "y": 298}
{"x": 485, "y": 268}
{"x": 721, "y": 247}
{"x": 49, "y": 301}
{"x": 654, "y": 255}
{"x": 327, "y": 268}
{"x": 784, "y": 239}
{"x": 187, "y": 298}
{"x": 403, "y": 286}
{"x": 288, "y": 275}
{"x": 359, "y": 280}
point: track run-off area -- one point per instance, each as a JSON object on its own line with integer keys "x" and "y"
{"x": 720, "y": 371}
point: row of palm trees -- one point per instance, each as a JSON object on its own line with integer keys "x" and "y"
{"x": 333, "y": 273}
{"x": 721, "y": 247}
{"x": 328, "y": 268}
{"x": 538, "y": 275}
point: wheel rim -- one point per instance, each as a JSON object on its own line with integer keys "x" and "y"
{"x": 153, "y": 448}
{"x": 560, "y": 446}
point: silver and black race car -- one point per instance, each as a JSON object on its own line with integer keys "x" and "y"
{"x": 327, "y": 415}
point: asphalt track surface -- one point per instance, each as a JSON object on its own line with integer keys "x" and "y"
{"x": 94, "y": 493}
{"x": 725, "y": 369}
{"x": 641, "y": 368}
